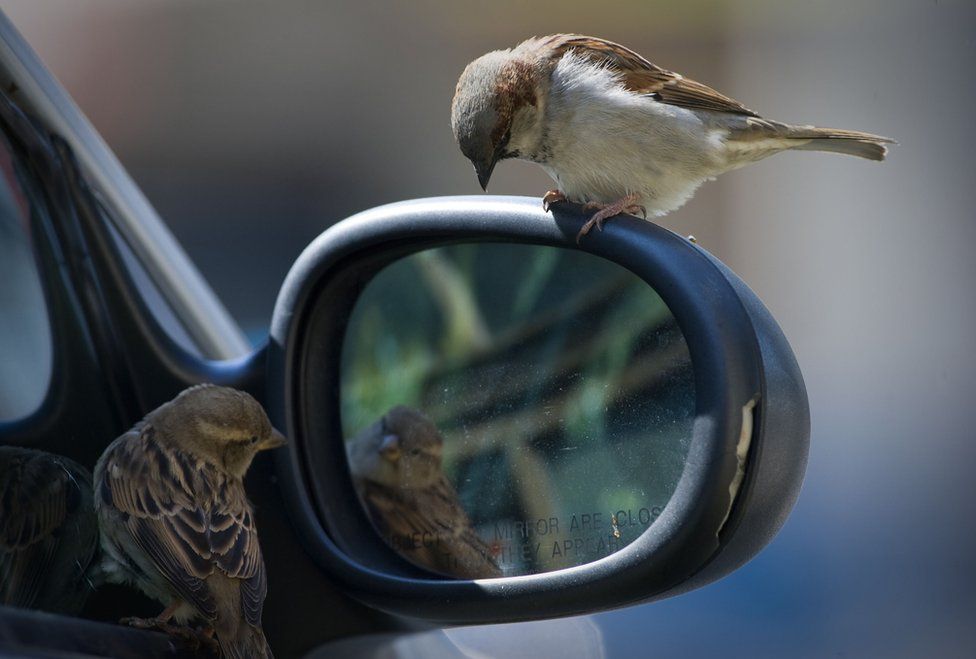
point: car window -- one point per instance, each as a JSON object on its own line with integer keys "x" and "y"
{"x": 25, "y": 333}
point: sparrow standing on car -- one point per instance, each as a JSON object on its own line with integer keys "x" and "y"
{"x": 175, "y": 520}
{"x": 614, "y": 131}
{"x": 396, "y": 466}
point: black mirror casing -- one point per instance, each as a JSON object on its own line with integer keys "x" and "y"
{"x": 737, "y": 487}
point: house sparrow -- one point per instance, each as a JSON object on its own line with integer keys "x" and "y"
{"x": 48, "y": 531}
{"x": 614, "y": 131}
{"x": 175, "y": 520}
{"x": 396, "y": 466}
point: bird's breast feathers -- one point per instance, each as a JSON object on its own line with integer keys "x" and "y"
{"x": 606, "y": 141}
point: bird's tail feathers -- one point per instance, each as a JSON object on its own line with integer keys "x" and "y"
{"x": 836, "y": 140}
{"x": 247, "y": 643}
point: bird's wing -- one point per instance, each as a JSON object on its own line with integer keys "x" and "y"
{"x": 436, "y": 513}
{"x": 38, "y": 492}
{"x": 236, "y": 551}
{"x": 189, "y": 520}
{"x": 641, "y": 77}
{"x": 471, "y": 551}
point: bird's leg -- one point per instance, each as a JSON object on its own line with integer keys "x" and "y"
{"x": 195, "y": 638}
{"x": 552, "y": 197}
{"x": 155, "y": 624}
{"x": 169, "y": 611}
{"x": 159, "y": 622}
{"x": 604, "y": 212}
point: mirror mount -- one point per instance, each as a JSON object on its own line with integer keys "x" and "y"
{"x": 729, "y": 502}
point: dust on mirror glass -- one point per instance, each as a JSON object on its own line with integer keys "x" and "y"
{"x": 513, "y": 409}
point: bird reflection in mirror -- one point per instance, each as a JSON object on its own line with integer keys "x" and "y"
{"x": 397, "y": 468}
{"x": 48, "y": 531}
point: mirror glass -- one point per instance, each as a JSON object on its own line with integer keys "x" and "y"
{"x": 513, "y": 409}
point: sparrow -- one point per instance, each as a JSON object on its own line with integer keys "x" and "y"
{"x": 176, "y": 522}
{"x": 397, "y": 469}
{"x": 616, "y": 132}
{"x": 48, "y": 531}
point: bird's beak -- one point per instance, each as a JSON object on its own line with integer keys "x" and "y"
{"x": 390, "y": 447}
{"x": 274, "y": 440}
{"x": 484, "y": 168}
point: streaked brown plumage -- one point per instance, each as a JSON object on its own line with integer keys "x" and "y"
{"x": 396, "y": 466}
{"x": 48, "y": 531}
{"x": 175, "y": 519}
{"x": 637, "y": 74}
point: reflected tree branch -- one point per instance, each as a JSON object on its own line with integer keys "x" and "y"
{"x": 467, "y": 331}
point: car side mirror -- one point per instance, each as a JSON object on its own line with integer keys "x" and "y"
{"x": 491, "y": 423}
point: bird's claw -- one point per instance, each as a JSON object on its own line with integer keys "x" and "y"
{"x": 205, "y": 640}
{"x": 195, "y": 638}
{"x": 552, "y": 197}
{"x": 143, "y": 623}
{"x": 593, "y": 221}
{"x": 604, "y": 212}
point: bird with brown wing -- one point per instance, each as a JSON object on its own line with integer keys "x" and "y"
{"x": 615, "y": 131}
{"x": 397, "y": 467}
{"x": 48, "y": 531}
{"x": 175, "y": 519}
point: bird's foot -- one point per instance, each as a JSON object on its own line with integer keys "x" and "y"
{"x": 160, "y": 622}
{"x": 195, "y": 638}
{"x": 207, "y": 641}
{"x": 604, "y": 212}
{"x": 156, "y": 624}
{"x": 552, "y": 197}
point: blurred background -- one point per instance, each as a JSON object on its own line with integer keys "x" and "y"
{"x": 254, "y": 126}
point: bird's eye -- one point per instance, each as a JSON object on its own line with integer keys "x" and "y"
{"x": 415, "y": 451}
{"x": 254, "y": 439}
{"x": 504, "y": 142}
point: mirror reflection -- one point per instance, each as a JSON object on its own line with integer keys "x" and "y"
{"x": 48, "y": 531}
{"x": 513, "y": 409}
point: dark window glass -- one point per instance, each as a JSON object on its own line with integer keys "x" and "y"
{"x": 25, "y": 333}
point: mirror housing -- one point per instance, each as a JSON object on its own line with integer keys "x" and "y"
{"x": 745, "y": 464}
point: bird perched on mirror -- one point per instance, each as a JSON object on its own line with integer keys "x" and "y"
{"x": 616, "y": 132}
{"x": 175, "y": 519}
{"x": 48, "y": 531}
{"x": 397, "y": 468}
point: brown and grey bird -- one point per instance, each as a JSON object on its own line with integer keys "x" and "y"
{"x": 175, "y": 520}
{"x": 615, "y": 131}
{"x": 48, "y": 531}
{"x": 397, "y": 467}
